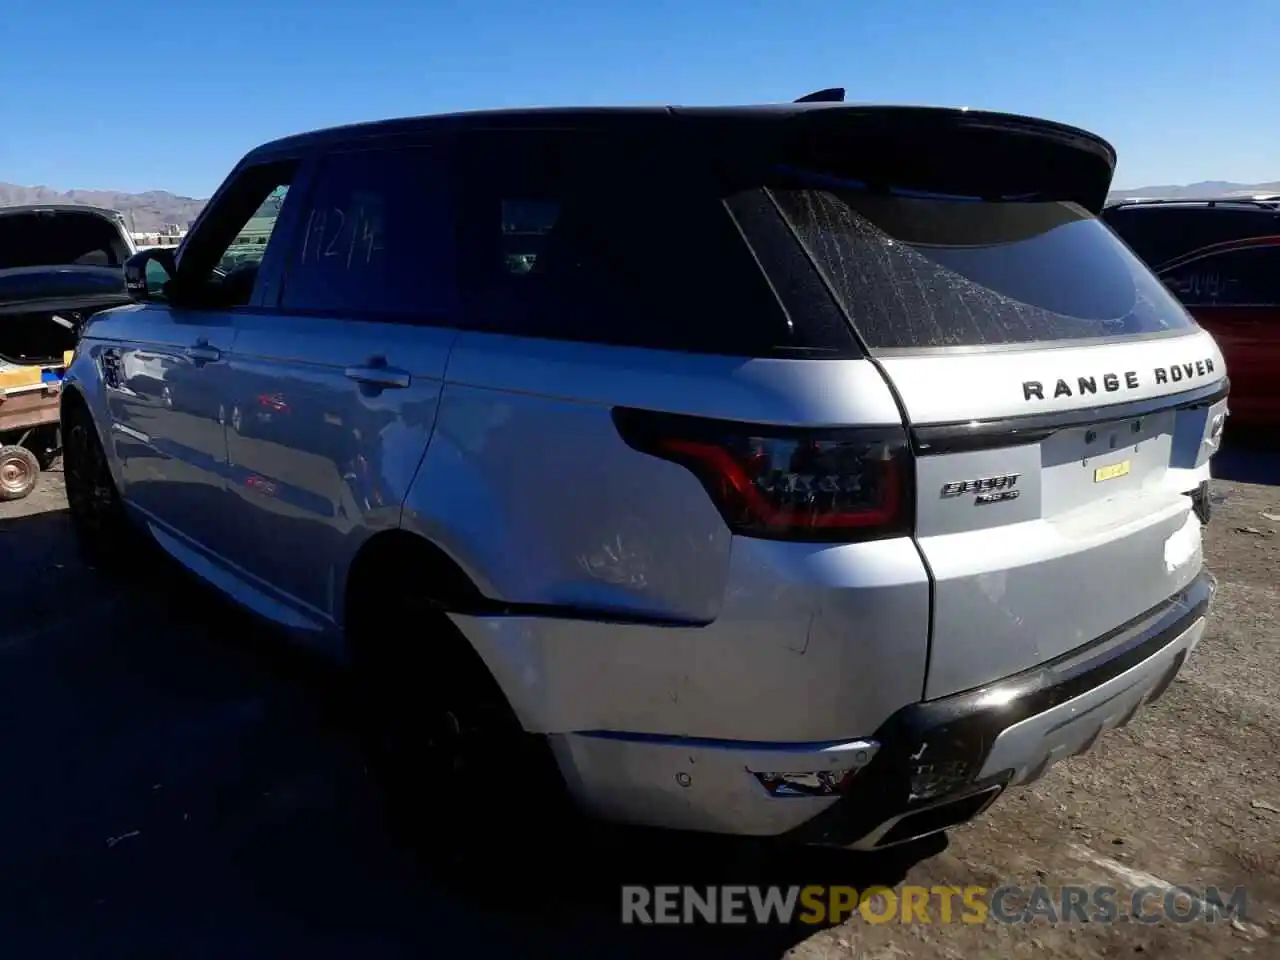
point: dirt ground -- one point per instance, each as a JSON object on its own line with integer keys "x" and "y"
{"x": 177, "y": 783}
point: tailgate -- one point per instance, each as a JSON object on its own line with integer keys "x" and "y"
{"x": 1057, "y": 520}
{"x": 1062, "y": 402}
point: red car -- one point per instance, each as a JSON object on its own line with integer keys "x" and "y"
{"x": 1221, "y": 258}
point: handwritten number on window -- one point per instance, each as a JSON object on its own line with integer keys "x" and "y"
{"x": 371, "y": 240}
{"x": 325, "y": 232}
{"x": 351, "y": 247}
{"x": 342, "y": 222}
{"x": 315, "y": 224}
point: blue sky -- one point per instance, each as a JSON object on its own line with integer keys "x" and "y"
{"x": 168, "y": 95}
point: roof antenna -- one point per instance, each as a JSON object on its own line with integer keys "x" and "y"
{"x": 829, "y": 95}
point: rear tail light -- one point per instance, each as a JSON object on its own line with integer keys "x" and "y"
{"x": 836, "y": 484}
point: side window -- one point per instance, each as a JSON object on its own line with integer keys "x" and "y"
{"x": 1247, "y": 277}
{"x": 606, "y": 238}
{"x": 376, "y": 238}
{"x": 250, "y": 245}
{"x": 220, "y": 261}
{"x": 525, "y": 225}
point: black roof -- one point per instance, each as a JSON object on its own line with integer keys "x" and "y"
{"x": 653, "y": 117}
{"x": 1075, "y": 162}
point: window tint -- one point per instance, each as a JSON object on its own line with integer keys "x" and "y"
{"x": 609, "y": 239}
{"x": 525, "y": 225}
{"x": 376, "y": 238}
{"x": 938, "y": 272}
{"x": 1248, "y": 277}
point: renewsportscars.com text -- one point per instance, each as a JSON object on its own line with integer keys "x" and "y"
{"x": 932, "y": 905}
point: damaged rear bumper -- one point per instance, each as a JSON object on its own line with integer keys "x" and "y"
{"x": 930, "y": 766}
{"x": 943, "y": 761}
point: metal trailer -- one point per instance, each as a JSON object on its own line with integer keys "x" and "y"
{"x": 30, "y": 438}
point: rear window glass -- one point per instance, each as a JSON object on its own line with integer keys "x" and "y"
{"x": 917, "y": 272}
{"x": 607, "y": 238}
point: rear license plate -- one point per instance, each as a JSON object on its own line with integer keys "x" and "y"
{"x": 1111, "y": 472}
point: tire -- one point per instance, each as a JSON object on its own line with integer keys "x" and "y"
{"x": 19, "y": 471}
{"x": 461, "y": 780}
{"x": 107, "y": 539}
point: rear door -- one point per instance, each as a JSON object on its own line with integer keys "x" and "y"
{"x": 1060, "y": 399}
{"x": 334, "y": 387}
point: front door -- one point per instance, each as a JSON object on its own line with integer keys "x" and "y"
{"x": 335, "y": 388}
{"x": 168, "y": 374}
{"x": 163, "y": 379}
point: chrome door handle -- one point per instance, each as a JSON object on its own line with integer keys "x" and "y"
{"x": 374, "y": 375}
{"x": 203, "y": 353}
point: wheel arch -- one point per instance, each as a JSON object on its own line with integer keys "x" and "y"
{"x": 72, "y": 397}
{"x": 402, "y": 560}
{"x": 75, "y": 398}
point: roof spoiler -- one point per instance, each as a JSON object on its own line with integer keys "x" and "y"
{"x": 953, "y": 152}
{"x": 829, "y": 95}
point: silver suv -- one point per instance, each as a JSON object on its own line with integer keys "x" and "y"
{"x": 807, "y": 470}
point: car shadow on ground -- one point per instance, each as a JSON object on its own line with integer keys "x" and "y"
{"x": 184, "y": 782}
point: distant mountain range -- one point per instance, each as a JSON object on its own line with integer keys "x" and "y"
{"x": 1205, "y": 189}
{"x": 147, "y": 212}
{"x": 144, "y": 212}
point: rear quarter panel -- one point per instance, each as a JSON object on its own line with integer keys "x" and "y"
{"x": 529, "y": 486}
{"x": 648, "y": 615}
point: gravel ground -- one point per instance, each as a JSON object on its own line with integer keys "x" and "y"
{"x": 180, "y": 784}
